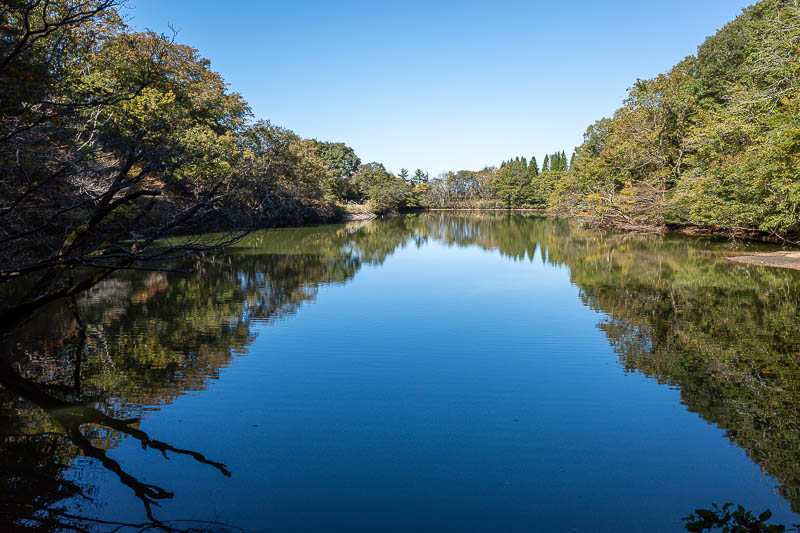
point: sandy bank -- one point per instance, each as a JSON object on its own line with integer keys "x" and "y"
{"x": 779, "y": 259}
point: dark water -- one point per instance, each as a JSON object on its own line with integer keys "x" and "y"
{"x": 441, "y": 372}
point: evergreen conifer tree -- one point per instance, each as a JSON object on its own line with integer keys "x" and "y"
{"x": 546, "y": 164}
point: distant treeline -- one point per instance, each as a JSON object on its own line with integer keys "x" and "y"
{"x": 515, "y": 184}
{"x": 107, "y": 134}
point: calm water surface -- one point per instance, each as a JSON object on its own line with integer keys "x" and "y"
{"x": 440, "y": 372}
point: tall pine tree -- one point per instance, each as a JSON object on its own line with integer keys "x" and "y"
{"x": 533, "y": 169}
{"x": 546, "y": 164}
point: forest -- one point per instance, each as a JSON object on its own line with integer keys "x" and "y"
{"x": 112, "y": 139}
{"x": 714, "y": 142}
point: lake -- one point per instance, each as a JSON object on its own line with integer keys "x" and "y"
{"x": 432, "y": 372}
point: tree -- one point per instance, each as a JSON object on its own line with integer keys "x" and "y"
{"x": 511, "y": 183}
{"x": 342, "y": 163}
{"x": 533, "y": 169}
{"x": 403, "y": 175}
{"x": 546, "y": 164}
{"x": 277, "y": 175}
{"x": 123, "y": 138}
{"x": 713, "y": 141}
{"x": 380, "y": 190}
{"x": 419, "y": 189}
{"x": 339, "y": 157}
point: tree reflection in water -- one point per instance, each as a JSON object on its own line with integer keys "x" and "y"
{"x": 76, "y": 382}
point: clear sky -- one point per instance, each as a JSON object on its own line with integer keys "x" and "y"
{"x": 441, "y": 85}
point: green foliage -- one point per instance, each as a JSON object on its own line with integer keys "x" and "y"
{"x": 419, "y": 189}
{"x": 339, "y": 157}
{"x": 556, "y": 162}
{"x": 739, "y": 520}
{"x": 387, "y": 196}
{"x": 276, "y": 174}
{"x": 533, "y": 168}
{"x": 381, "y": 191}
{"x": 464, "y": 188}
{"x": 342, "y": 163}
{"x": 714, "y": 141}
{"x": 511, "y": 185}
{"x": 92, "y": 110}
{"x": 514, "y": 184}
{"x": 111, "y": 140}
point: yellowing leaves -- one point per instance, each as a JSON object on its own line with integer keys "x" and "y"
{"x": 151, "y": 105}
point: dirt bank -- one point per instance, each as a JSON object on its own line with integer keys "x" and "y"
{"x": 778, "y": 259}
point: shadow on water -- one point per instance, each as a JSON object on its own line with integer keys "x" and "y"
{"x": 76, "y": 382}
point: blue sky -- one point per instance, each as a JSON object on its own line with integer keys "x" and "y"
{"x": 438, "y": 85}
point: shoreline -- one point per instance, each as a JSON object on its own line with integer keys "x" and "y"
{"x": 788, "y": 258}
{"x": 778, "y": 259}
{"x": 696, "y": 230}
{"x": 535, "y": 209}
